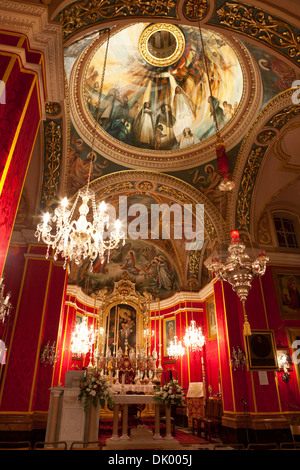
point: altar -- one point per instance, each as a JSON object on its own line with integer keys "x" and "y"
{"x": 140, "y": 437}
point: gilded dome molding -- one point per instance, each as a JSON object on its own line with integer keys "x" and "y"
{"x": 167, "y": 160}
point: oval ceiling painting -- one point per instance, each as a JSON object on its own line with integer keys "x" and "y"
{"x": 156, "y": 94}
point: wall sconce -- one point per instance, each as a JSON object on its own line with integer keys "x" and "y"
{"x": 48, "y": 353}
{"x": 238, "y": 359}
{"x": 284, "y": 362}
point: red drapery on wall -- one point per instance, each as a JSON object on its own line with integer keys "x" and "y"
{"x": 20, "y": 116}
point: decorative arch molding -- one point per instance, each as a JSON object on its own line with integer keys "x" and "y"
{"x": 177, "y": 191}
{"x": 272, "y": 120}
{"x": 267, "y": 26}
{"x": 259, "y": 24}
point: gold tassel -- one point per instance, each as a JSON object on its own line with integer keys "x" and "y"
{"x": 246, "y": 328}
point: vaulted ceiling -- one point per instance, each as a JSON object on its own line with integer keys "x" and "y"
{"x": 253, "y": 55}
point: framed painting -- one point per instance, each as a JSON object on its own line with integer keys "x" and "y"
{"x": 211, "y": 318}
{"x": 287, "y": 287}
{"x": 169, "y": 332}
{"x": 261, "y": 350}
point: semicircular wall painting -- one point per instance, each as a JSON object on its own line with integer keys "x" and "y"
{"x": 163, "y": 108}
{"x": 147, "y": 266}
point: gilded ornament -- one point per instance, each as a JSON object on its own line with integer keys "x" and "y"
{"x": 52, "y": 108}
{"x": 195, "y": 10}
{"x": 162, "y": 33}
{"x": 259, "y": 24}
{"x": 284, "y": 116}
{"x": 247, "y": 185}
{"x": 266, "y": 136}
{"x": 52, "y": 161}
{"x": 145, "y": 185}
{"x": 82, "y": 14}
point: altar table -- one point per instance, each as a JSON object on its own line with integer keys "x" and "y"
{"x": 140, "y": 437}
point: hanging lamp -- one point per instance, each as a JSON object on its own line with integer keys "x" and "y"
{"x": 226, "y": 184}
{"x": 86, "y": 236}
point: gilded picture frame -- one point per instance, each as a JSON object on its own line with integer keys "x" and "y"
{"x": 287, "y": 287}
{"x": 211, "y": 318}
{"x": 169, "y": 332}
{"x": 261, "y": 350}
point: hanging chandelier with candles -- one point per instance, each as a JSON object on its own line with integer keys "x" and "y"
{"x": 194, "y": 339}
{"x": 175, "y": 349}
{"x": 239, "y": 270}
{"x": 82, "y": 339}
{"x": 88, "y": 236}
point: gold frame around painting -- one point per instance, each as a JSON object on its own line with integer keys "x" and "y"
{"x": 166, "y": 322}
{"x": 286, "y": 279}
{"x": 211, "y": 318}
{"x": 261, "y": 350}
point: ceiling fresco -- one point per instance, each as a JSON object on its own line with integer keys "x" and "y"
{"x": 157, "y": 116}
{"x": 151, "y": 106}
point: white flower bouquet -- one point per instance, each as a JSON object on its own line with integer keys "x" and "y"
{"x": 169, "y": 394}
{"x": 95, "y": 388}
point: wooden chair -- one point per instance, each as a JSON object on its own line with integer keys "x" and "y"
{"x": 89, "y": 445}
{"x": 212, "y": 422}
{"x": 207, "y": 413}
{"x": 263, "y": 446}
{"x": 59, "y": 445}
{"x": 231, "y": 446}
{"x": 15, "y": 445}
{"x": 289, "y": 445}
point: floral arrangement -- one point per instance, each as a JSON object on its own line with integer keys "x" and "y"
{"x": 95, "y": 388}
{"x": 169, "y": 394}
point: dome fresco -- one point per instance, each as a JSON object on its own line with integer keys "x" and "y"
{"x": 147, "y": 105}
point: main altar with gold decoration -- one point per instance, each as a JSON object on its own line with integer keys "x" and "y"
{"x": 122, "y": 354}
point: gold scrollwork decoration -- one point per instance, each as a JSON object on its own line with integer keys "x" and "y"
{"x": 195, "y": 10}
{"x": 261, "y": 25}
{"x": 52, "y": 161}
{"x": 285, "y": 115}
{"x": 194, "y": 263}
{"x": 145, "y": 186}
{"x": 266, "y": 136}
{"x": 82, "y": 14}
{"x": 52, "y": 108}
{"x": 246, "y": 187}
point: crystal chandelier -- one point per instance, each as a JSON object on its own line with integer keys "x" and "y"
{"x": 194, "y": 339}
{"x": 175, "y": 349}
{"x": 239, "y": 271}
{"x": 84, "y": 237}
{"x": 82, "y": 339}
{"x": 5, "y": 305}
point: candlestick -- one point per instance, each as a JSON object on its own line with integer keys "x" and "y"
{"x": 235, "y": 236}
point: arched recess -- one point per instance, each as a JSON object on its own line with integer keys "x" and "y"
{"x": 146, "y": 187}
{"x": 271, "y": 122}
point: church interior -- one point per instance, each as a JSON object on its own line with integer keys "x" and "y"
{"x": 177, "y": 120}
